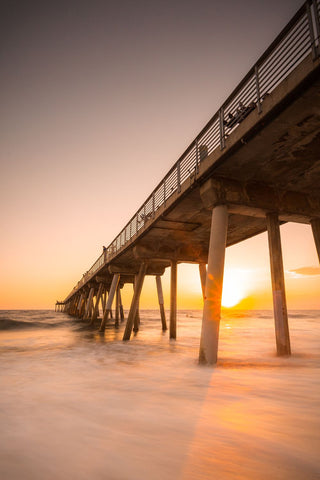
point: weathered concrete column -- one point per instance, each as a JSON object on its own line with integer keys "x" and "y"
{"x": 315, "y": 224}
{"x": 161, "y": 302}
{"x": 173, "y": 300}
{"x": 113, "y": 288}
{"x": 278, "y": 286}
{"x": 136, "y": 323}
{"x": 117, "y": 315}
{"x": 104, "y": 300}
{"x": 203, "y": 277}
{"x": 87, "y": 314}
{"x": 214, "y": 281}
{"x": 121, "y": 306}
{"x": 70, "y": 306}
{"x": 135, "y": 301}
{"x": 79, "y": 304}
{"x": 83, "y": 304}
{"x": 96, "y": 307}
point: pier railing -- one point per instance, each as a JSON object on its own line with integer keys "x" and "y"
{"x": 297, "y": 40}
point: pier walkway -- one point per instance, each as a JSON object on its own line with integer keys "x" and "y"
{"x": 254, "y": 166}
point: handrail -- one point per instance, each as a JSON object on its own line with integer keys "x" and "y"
{"x": 297, "y": 39}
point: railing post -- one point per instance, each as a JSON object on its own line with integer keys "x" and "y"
{"x": 197, "y": 156}
{"x": 311, "y": 31}
{"x": 317, "y": 24}
{"x": 164, "y": 191}
{"x": 153, "y": 205}
{"x": 256, "y": 74}
{"x": 178, "y": 177}
{"x": 221, "y": 125}
{"x": 137, "y": 222}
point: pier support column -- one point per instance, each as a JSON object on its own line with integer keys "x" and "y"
{"x": 213, "y": 291}
{"x": 135, "y": 301}
{"x": 96, "y": 307}
{"x": 87, "y": 314}
{"x": 117, "y": 314}
{"x": 113, "y": 288}
{"x": 203, "y": 277}
{"x": 278, "y": 286}
{"x": 78, "y": 304}
{"x": 173, "y": 301}
{"x": 104, "y": 300}
{"x": 315, "y": 224}
{"x": 136, "y": 323}
{"x": 121, "y": 306}
{"x": 83, "y": 304}
{"x": 161, "y": 303}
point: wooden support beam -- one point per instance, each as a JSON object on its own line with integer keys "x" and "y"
{"x": 315, "y": 224}
{"x": 278, "y": 286}
{"x": 113, "y": 288}
{"x": 135, "y": 301}
{"x": 96, "y": 307}
{"x": 173, "y": 300}
{"x": 213, "y": 292}
{"x": 161, "y": 303}
{"x": 203, "y": 278}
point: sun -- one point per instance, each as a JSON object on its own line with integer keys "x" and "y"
{"x": 233, "y": 288}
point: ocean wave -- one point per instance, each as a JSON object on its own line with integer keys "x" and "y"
{"x": 10, "y": 324}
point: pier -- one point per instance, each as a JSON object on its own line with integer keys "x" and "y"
{"x": 254, "y": 166}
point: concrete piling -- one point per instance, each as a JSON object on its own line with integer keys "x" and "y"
{"x": 161, "y": 302}
{"x": 278, "y": 286}
{"x": 87, "y": 313}
{"x": 213, "y": 291}
{"x": 136, "y": 323}
{"x": 173, "y": 300}
{"x": 203, "y": 277}
{"x": 135, "y": 301}
{"x": 113, "y": 288}
{"x": 117, "y": 312}
{"x": 315, "y": 224}
{"x": 96, "y": 307}
{"x": 121, "y": 307}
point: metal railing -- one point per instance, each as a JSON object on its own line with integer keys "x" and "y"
{"x": 297, "y": 40}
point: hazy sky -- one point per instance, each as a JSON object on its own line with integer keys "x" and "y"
{"x": 98, "y": 100}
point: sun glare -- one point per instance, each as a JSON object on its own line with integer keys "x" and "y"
{"x": 233, "y": 288}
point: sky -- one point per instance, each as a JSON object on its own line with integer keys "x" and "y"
{"x": 98, "y": 101}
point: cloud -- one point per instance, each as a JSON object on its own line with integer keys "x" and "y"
{"x": 305, "y": 271}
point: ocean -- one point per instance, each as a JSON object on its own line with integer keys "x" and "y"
{"x": 78, "y": 405}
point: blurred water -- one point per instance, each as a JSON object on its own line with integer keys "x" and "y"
{"x": 75, "y": 404}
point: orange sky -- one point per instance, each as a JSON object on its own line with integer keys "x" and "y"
{"x": 98, "y": 101}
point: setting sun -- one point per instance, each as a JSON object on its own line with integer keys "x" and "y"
{"x": 233, "y": 287}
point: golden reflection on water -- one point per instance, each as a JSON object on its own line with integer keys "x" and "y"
{"x": 254, "y": 431}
